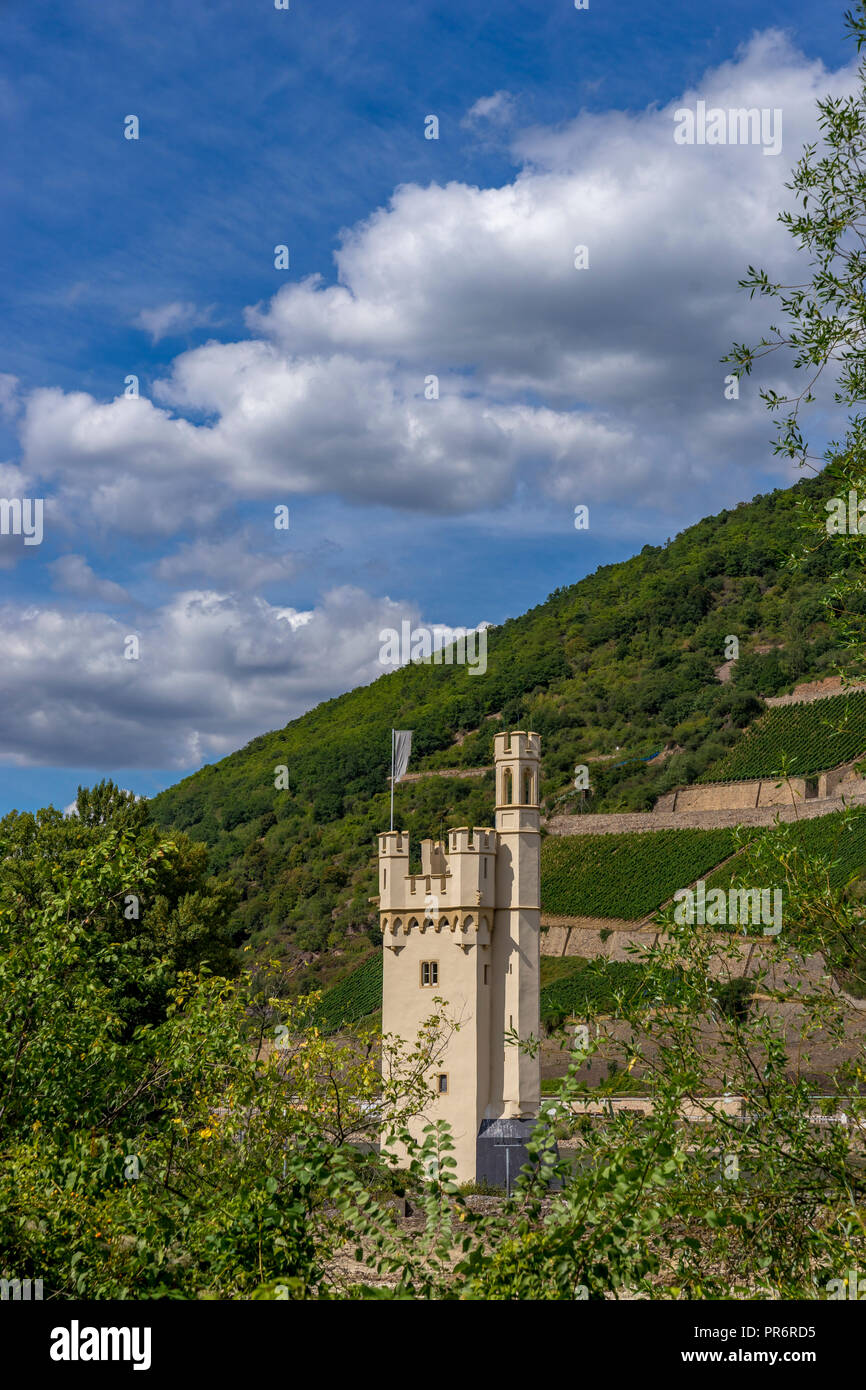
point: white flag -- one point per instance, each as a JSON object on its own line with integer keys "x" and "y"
{"x": 402, "y": 748}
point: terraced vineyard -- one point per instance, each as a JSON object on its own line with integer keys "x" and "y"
{"x": 814, "y": 737}
{"x": 625, "y": 876}
{"x": 839, "y": 838}
{"x": 354, "y": 997}
{"x": 590, "y": 986}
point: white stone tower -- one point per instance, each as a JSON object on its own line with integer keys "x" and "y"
{"x": 515, "y": 1080}
{"x": 466, "y": 930}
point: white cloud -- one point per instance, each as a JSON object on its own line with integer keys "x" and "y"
{"x": 550, "y": 377}
{"x": 126, "y": 464}
{"x": 498, "y": 109}
{"x": 73, "y": 575}
{"x": 214, "y": 671}
{"x": 168, "y": 320}
{"x": 557, "y": 386}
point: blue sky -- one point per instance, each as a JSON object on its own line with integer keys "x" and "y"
{"x": 304, "y": 387}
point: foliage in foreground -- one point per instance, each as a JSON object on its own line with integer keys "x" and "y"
{"x": 151, "y": 1146}
{"x": 215, "y": 1152}
{"x": 837, "y": 840}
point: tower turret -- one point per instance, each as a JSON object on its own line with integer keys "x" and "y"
{"x": 516, "y": 1077}
{"x": 393, "y": 868}
{"x": 517, "y": 757}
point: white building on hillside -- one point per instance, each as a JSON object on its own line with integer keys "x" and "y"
{"x": 466, "y": 929}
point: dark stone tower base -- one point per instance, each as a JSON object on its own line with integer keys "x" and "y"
{"x": 501, "y": 1150}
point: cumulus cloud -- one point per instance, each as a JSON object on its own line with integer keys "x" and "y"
{"x": 214, "y": 670}
{"x": 125, "y": 464}
{"x": 606, "y": 377}
{"x": 556, "y": 385}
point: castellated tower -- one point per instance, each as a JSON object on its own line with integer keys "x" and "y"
{"x": 466, "y": 930}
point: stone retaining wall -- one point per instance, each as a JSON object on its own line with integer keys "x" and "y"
{"x": 549, "y": 920}
{"x": 446, "y": 772}
{"x": 735, "y": 796}
{"x": 750, "y": 955}
{"x": 842, "y": 780}
{"x": 618, "y": 823}
{"x": 815, "y": 690}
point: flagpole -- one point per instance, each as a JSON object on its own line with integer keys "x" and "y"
{"x": 392, "y": 779}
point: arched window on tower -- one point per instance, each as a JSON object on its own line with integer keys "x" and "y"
{"x": 527, "y": 786}
{"x": 507, "y": 787}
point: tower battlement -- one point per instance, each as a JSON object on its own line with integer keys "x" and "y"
{"x": 517, "y": 744}
{"x": 394, "y": 844}
{"x": 461, "y": 876}
{"x": 475, "y": 840}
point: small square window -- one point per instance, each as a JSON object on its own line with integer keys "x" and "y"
{"x": 429, "y": 972}
{"x": 442, "y": 1083}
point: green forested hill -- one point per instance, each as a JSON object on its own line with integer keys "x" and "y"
{"x": 624, "y": 658}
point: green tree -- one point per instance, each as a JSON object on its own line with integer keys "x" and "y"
{"x": 822, "y": 329}
{"x": 107, "y": 802}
